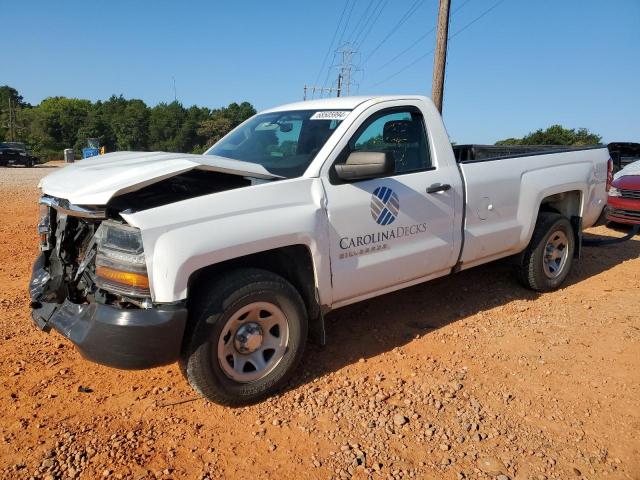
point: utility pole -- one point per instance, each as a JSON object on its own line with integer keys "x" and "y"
{"x": 175, "y": 94}
{"x": 12, "y": 133}
{"x": 339, "y": 85}
{"x": 320, "y": 90}
{"x": 440, "y": 58}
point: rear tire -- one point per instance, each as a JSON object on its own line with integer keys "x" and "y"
{"x": 547, "y": 260}
{"x": 247, "y": 337}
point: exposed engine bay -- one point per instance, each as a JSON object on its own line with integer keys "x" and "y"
{"x": 63, "y": 269}
{"x": 191, "y": 184}
{"x": 83, "y": 247}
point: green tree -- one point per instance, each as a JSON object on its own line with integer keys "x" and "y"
{"x": 189, "y": 138}
{"x": 119, "y": 123}
{"x": 132, "y": 127}
{"x": 223, "y": 120}
{"x": 98, "y": 126}
{"x": 165, "y": 124}
{"x": 11, "y": 105}
{"x": 556, "y": 135}
{"x": 54, "y": 124}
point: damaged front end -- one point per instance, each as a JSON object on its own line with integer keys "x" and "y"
{"x": 67, "y": 237}
{"x": 90, "y": 284}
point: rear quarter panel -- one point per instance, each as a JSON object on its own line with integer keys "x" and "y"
{"x": 504, "y": 197}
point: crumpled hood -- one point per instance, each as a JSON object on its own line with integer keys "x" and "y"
{"x": 96, "y": 180}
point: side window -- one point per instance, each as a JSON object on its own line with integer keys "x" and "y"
{"x": 401, "y": 132}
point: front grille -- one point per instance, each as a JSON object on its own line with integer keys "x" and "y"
{"x": 632, "y": 194}
{"x": 630, "y": 214}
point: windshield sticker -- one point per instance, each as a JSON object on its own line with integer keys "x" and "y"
{"x": 330, "y": 115}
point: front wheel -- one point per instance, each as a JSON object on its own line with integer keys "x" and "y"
{"x": 248, "y": 335}
{"x": 547, "y": 260}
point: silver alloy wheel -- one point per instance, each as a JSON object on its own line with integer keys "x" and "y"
{"x": 253, "y": 341}
{"x": 556, "y": 253}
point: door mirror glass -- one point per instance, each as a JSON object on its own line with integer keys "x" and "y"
{"x": 363, "y": 165}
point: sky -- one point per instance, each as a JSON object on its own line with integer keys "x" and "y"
{"x": 513, "y": 65}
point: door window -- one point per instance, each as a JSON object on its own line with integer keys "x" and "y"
{"x": 400, "y": 132}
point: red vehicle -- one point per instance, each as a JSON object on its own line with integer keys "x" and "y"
{"x": 623, "y": 204}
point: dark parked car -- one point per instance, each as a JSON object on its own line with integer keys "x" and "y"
{"x": 15, "y": 153}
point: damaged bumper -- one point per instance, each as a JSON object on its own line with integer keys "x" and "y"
{"x": 120, "y": 338}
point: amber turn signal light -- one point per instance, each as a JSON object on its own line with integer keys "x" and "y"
{"x": 132, "y": 279}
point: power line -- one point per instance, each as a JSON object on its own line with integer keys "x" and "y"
{"x": 365, "y": 24}
{"x": 373, "y": 23}
{"x": 460, "y": 7}
{"x": 476, "y": 19}
{"x": 365, "y": 13}
{"x": 406, "y": 67}
{"x": 346, "y": 24}
{"x": 422, "y": 37}
{"x": 416, "y": 4}
{"x": 326, "y": 56}
{"x": 408, "y": 48}
{"x": 344, "y": 29}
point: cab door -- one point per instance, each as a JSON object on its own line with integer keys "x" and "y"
{"x": 390, "y": 230}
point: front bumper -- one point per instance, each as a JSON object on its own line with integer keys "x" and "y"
{"x": 623, "y": 210}
{"x": 120, "y": 338}
{"x": 629, "y": 217}
{"x": 128, "y": 339}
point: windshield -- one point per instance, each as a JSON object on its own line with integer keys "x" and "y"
{"x": 284, "y": 143}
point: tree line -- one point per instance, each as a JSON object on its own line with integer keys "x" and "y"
{"x": 556, "y": 135}
{"x": 57, "y": 123}
{"x": 129, "y": 124}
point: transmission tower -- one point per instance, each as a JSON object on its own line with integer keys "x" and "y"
{"x": 346, "y": 68}
{"x": 346, "y": 71}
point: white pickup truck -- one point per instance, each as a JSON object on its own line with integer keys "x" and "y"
{"x": 227, "y": 261}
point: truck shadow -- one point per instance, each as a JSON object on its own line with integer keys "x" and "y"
{"x": 370, "y": 328}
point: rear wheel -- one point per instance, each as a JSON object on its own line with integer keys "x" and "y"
{"x": 547, "y": 260}
{"x": 248, "y": 336}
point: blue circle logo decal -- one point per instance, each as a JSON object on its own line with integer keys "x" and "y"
{"x": 385, "y": 205}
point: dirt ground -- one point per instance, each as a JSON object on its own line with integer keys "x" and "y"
{"x": 469, "y": 376}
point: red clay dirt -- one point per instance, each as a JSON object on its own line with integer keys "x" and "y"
{"x": 470, "y": 376}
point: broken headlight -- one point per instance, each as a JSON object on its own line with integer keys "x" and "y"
{"x": 120, "y": 263}
{"x": 44, "y": 227}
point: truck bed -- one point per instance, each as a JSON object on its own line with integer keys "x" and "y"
{"x": 482, "y": 153}
{"x": 502, "y": 197}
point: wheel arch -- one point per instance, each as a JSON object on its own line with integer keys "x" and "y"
{"x": 570, "y": 205}
{"x": 567, "y": 200}
{"x": 567, "y": 203}
{"x": 294, "y": 263}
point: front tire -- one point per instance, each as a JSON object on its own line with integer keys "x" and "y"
{"x": 547, "y": 260}
{"x": 248, "y": 335}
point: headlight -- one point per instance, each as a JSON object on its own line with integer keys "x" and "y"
{"x": 613, "y": 192}
{"x": 44, "y": 227}
{"x": 120, "y": 263}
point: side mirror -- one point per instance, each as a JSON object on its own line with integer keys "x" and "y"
{"x": 363, "y": 165}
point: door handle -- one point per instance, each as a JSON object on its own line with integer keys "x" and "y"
{"x": 438, "y": 187}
